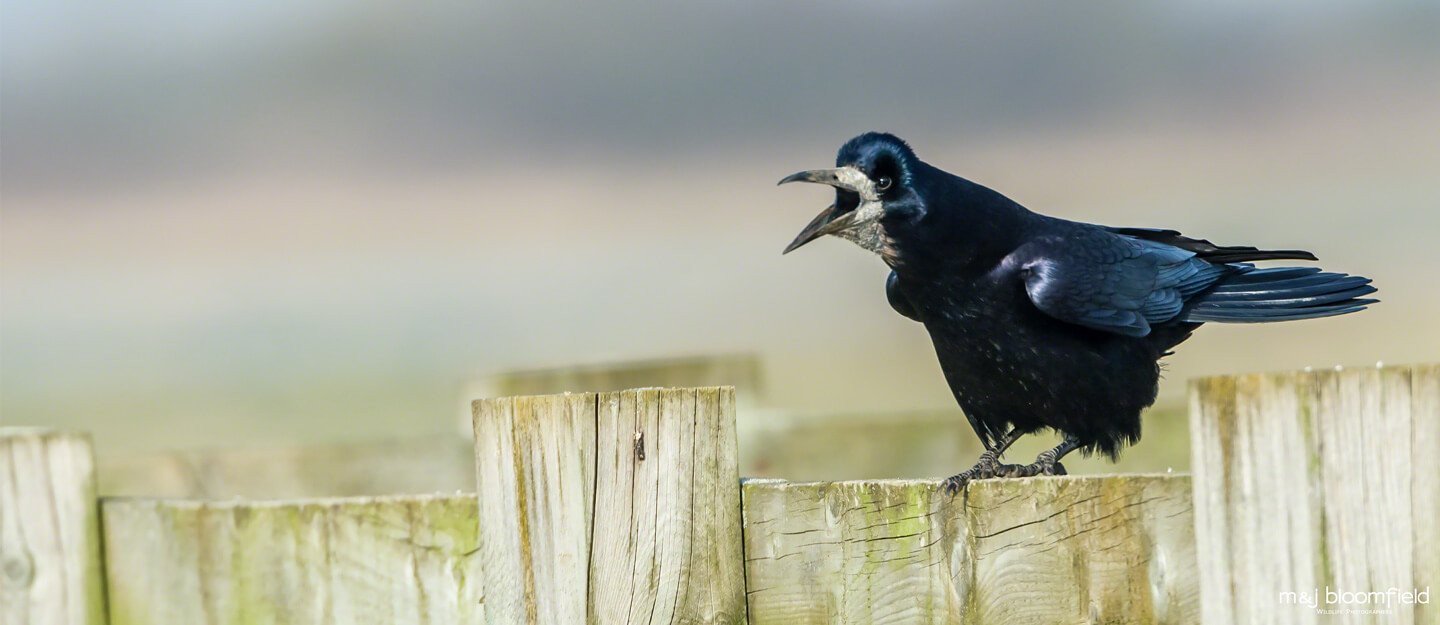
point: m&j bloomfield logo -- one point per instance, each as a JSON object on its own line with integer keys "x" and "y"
{"x": 1376, "y": 601}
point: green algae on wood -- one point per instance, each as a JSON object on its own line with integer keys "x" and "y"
{"x": 402, "y": 559}
{"x": 1116, "y": 549}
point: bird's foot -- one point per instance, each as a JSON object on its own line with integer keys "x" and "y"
{"x": 988, "y": 466}
{"x": 1041, "y": 468}
{"x": 1047, "y": 463}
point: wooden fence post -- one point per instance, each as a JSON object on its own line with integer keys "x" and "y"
{"x": 397, "y": 560}
{"x": 1308, "y": 484}
{"x": 1101, "y": 549}
{"x": 610, "y": 508}
{"x": 49, "y": 530}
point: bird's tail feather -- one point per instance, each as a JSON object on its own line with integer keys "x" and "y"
{"x": 1281, "y": 294}
{"x": 1210, "y": 252}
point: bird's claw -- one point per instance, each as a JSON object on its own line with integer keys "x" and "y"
{"x": 1041, "y": 467}
{"x": 955, "y": 483}
{"x": 987, "y": 467}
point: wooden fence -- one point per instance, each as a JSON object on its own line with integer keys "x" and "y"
{"x": 1318, "y": 482}
{"x": 625, "y": 507}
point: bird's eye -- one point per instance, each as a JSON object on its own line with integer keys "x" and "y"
{"x": 882, "y": 183}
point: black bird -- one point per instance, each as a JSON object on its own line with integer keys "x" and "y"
{"x": 1040, "y": 322}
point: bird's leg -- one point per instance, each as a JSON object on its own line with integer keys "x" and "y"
{"x": 988, "y": 465}
{"x": 1048, "y": 462}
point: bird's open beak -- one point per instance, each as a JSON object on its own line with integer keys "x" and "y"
{"x": 823, "y": 224}
{"x": 827, "y": 222}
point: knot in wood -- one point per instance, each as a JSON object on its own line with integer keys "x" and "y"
{"x": 17, "y": 569}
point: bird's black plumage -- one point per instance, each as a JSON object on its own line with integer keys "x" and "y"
{"x": 1041, "y": 322}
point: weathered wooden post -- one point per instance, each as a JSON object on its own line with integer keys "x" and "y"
{"x": 400, "y": 560}
{"x": 617, "y": 507}
{"x": 49, "y": 530}
{"x": 1316, "y": 494}
{"x": 1111, "y": 549}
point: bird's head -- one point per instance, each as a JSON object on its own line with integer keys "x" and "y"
{"x": 872, "y": 177}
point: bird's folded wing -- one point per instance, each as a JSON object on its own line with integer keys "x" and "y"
{"x": 1110, "y": 282}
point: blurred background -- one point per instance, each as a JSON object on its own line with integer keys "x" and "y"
{"x": 260, "y": 225}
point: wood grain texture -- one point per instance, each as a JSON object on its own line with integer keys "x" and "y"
{"x": 535, "y": 506}
{"x": 1115, "y": 549}
{"x": 1316, "y": 482}
{"x": 1425, "y": 489}
{"x": 616, "y": 507}
{"x": 1212, "y": 416}
{"x": 50, "y": 567}
{"x": 390, "y": 560}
